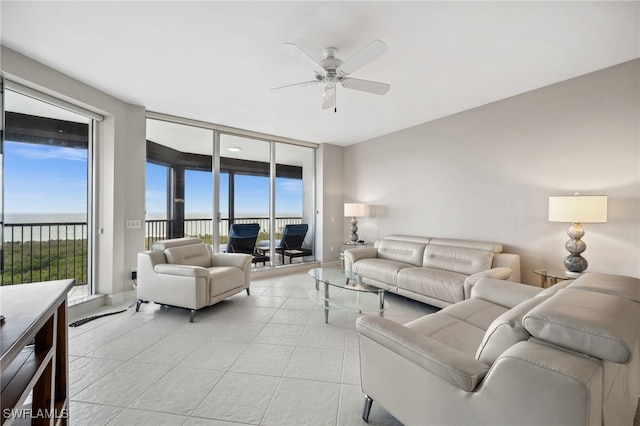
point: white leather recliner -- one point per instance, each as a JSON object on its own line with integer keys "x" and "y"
{"x": 184, "y": 272}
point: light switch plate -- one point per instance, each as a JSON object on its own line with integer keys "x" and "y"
{"x": 133, "y": 224}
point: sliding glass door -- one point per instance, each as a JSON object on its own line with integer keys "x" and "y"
{"x": 244, "y": 180}
{"x": 244, "y": 186}
{"x": 179, "y": 185}
{"x": 46, "y": 161}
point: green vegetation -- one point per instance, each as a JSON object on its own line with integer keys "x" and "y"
{"x": 34, "y": 261}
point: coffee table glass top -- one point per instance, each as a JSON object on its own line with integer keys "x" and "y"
{"x": 347, "y": 292}
{"x": 338, "y": 278}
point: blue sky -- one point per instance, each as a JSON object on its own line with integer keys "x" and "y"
{"x": 50, "y": 179}
{"x": 44, "y": 179}
{"x": 251, "y": 193}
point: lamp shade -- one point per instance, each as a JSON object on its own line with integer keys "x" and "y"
{"x": 578, "y": 209}
{"x": 353, "y": 209}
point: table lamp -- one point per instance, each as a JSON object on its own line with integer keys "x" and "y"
{"x": 577, "y": 209}
{"x": 354, "y": 211}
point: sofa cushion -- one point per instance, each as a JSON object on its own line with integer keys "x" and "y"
{"x": 505, "y": 331}
{"x": 192, "y": 254}
{"x": 478, "y": 312}
{"x": 550, "y": 291}
{"x": 504, "y": 293}
{"x": 437, "y": 283}
{"x": 598, "y": 324}
{"x": 412, "y": 238}
{"x": 450, "y": 330}
{"x": 225, "y": 278}
{"x": 616, "y": 285}
{"x": 161, "y": 245}
{"x": 381, "y": 270}
{"x": 480, "y": 245}
{"x": 401, "y": 251}
{"x": 463, "y": 260}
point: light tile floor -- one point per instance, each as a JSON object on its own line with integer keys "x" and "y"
{"x": 264, "y": 359}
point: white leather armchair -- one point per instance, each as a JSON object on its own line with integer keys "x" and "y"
{"x": 184, "y": 272}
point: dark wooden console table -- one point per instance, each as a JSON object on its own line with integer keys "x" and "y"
{"x": 33, "y": 340}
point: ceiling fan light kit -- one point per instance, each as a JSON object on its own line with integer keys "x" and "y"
{"x": 332, "y": 71}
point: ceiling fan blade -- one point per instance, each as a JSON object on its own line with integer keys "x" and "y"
{"x": 291, "y": 86}
{"x": 365, "y": 55}
{"x": 296, "y": 52}
{"x": 329, "y": 97}
{"x": 366, "y": 86}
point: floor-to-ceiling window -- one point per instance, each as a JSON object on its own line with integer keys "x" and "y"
{"x": 46, "y": 185}
{"x": 244, "y": 179}
{"x": 178, "y": 181}
{"x": 294, "y": 196}
{"x": 244, "y": 184}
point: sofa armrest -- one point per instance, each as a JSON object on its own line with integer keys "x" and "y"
{"x": 503, "y": 293}
{"x": 451, "y": 365}
{"x": 147, "y": 261}
{"x": 508, "y": 260}
{"x": 239, "y": 260}
{"x": 501, "y": 273}
{"x": 353, "y": 255}
{"x": 181, "y": 270}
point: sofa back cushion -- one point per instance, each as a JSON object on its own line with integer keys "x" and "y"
{"x": 597, "y": 324}
{"x": 192, "y": 254}
{"x": 401, "y": 251}
{"x": 463, "y": 260}
{"x": 616, "y": 285}
{"x": 410, "y": 238}
{"x": 162, "y": 245}
{"x": 505, "y": 331}
{"x": 480, "y": 245}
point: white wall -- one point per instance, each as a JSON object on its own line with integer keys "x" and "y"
{"x": 329, "y": 202}
{"x": 119, "y": 168}
{"x": 487, "y": 173}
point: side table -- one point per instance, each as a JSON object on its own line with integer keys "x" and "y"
{"x": 350, "y": 244}
{"x": 549, "y": 277}
{"x": 34, "y": 354}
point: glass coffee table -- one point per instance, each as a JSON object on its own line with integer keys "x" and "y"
{"x": 347, "y": 292}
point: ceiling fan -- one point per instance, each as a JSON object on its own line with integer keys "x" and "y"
{"x": 332, "y": 71}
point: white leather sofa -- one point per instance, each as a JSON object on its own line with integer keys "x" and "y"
{"x": 437, "y": 271}
{"x": 511, "y": 354}
{"x": 184, "y": 272}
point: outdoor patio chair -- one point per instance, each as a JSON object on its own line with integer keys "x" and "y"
{"x": 292, "y": 242}
{"x": 242, "y": 239}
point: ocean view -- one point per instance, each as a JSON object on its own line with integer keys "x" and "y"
{"x": 11, "y": 218}
{"x": 57, "y": 226}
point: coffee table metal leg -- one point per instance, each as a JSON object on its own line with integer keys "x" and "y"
{"x": 317, "y": 285}
{"x": 326, "y": 303}
{"x": 381, "y": 303}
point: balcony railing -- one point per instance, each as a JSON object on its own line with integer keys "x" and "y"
{"x": 202, "y": 228}
{"x": 34, "y": 252}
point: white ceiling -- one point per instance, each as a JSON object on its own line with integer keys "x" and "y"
{"x": 217, "y": 61}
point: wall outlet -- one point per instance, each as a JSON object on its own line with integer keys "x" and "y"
{"x": 134, "y": 274}
{"x": 132, "y": 224}
{"x": 332, "y": 249}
